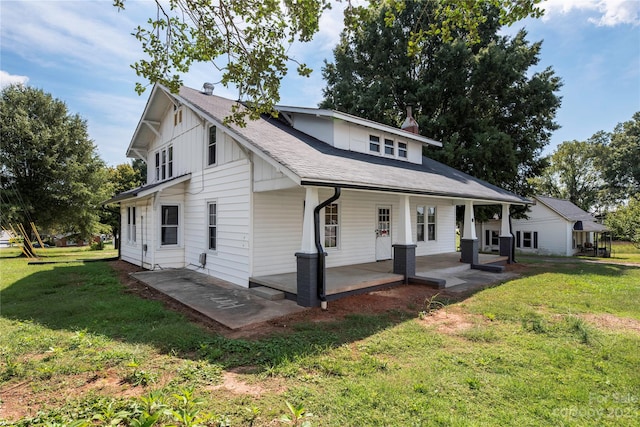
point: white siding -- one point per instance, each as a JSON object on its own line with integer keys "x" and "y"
{"x": 554, "y": 232}
{"x": 229, "y": 186}
{"x": 278, "y": 228}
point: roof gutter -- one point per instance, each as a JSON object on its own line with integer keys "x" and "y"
{"x": 321, "y": 276}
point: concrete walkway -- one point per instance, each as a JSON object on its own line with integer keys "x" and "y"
{"x": 226, "y": 303}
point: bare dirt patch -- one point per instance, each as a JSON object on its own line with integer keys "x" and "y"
{"x": 609, "y": 321}
{"x": 450, "y": 320}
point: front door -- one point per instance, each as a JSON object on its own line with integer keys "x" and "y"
{"x": 383, "y": 233}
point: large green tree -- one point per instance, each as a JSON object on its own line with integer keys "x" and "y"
{"x": 248, "y": 40}
{"x": 573, "y": 173}
{"x": 50, "y": 173}
{"x": 621, "y": 162}
{"x": 624, "y": 221}
{"x": 481, "y": 98}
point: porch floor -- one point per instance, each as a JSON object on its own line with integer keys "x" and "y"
{"x": 359, "y": 276}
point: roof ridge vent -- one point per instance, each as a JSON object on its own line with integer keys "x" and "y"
{"x": 207, "y": 88}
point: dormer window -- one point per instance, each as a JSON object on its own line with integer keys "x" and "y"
{"x": 374, "y": 143}
{"x": 402, "y": 150}
{"x": 389, "y": 148}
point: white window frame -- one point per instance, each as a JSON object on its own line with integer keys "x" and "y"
{"x": 157, "y": 164}
{"x": 532, "y": 240}
{"x": 164, "y": 163}
{"x": 389, "y": 147}
{"x": 432, "y": 225}
{"x": 131, "y": 225}
{"x": 374, "y": 144}
{"x": 403, "y": 152}
{"x": 333, "y": 226}
{"x": 420, "y": 223}
{"x": 213, "y": 130}
{"x": 208, "y": 214}
{"x": 176, "y": 226}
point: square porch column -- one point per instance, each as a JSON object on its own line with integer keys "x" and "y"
{"x": 404, "y": 252}
{"x": 506, "y": 239}
{"x": 469, "y": 245}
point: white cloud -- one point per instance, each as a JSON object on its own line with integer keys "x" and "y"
{"x": 608, "y": 12}
{"x": 7, "y": 79}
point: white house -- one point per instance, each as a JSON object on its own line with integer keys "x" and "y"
{"x": 553, "y": 227}
{"x": 276, "y": 195}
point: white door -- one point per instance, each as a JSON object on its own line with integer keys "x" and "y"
{"x": 383, "y": 233}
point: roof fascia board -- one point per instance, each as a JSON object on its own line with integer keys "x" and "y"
{"x": 242, "y": 141}
{"x": 147, "y": 106}
{"x": 359, "y": 121}
{"x": 478, "y": 201}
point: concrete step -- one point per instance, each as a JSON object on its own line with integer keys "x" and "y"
{"x": 267, "y": 293}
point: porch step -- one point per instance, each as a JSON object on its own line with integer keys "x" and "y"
{"x": 267, "y": 293}
{"x": 449, "y": 271}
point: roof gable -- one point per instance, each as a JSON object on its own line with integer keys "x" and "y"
{"x": 309, "y": 161}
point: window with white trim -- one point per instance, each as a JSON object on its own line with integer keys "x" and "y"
{"x": 212, "y": 225}
{"x": 164, "y": 164}
{"x": 331, "y": 226}
{"x": 402, "y": 149}
{"x": 374, "y": 143}
{"x": 527, "y": 239}
{"x": 131, "y": 224}
{"x": 389, "y": 147}
{"x": 211, "y": 153}
{"x": 431, "y": 223}
{"x": 420, "y": 224}
{"x": 169, "y": 225}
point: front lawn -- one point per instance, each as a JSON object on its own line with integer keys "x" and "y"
{"x": 556, "y": 347}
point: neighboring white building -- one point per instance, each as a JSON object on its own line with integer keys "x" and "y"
{"x": 554, "y": 227}
{"x": 5, "y": 238}
{"x": 238, "y": 202}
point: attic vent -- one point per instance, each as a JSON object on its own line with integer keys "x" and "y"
{"x": 207, "y": 88}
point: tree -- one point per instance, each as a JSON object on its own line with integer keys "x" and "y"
{"x": 573, "y": 173}
{"x": 621, "y": 160}
{"x": 481, "y": 99}
{"x": 122, "y": 177}
{"x": 248, "y": 40}
{"x": 624, "y": 222}
{"x": 50, "y": 172}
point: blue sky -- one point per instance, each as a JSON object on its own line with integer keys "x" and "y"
{"x": 81, "y": 51}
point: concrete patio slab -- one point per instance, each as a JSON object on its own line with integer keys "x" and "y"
{"x": 224, "y": 302}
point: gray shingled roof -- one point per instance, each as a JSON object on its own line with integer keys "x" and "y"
{"x": 318, "y": 163}
{"x": 571, "y": 212}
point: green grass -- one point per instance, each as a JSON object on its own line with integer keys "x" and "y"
{"x": 532, "y": 355}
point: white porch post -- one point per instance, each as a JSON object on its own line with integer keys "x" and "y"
{"x": 469, "y": 231}
{"x": 506, "y": 240}
{"x": 404, "y": 251}
{"x": 469, "y": 242}
{"x": 504, "y": 224}
{"x": 308, "y": 233}
{"x": 405, "y": 236}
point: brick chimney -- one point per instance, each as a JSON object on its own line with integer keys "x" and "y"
{"x": 410, "y": 124}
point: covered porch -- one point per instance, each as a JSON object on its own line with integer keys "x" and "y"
{"x": 357, "y": 278}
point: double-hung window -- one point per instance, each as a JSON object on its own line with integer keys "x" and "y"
{"x": 131, "y": 224}
{"x": 374, "y": 143}
{"x": 389, "y": 147}
{"x": 157, "y": 166}
{"x": 212, "y": 214}
{"x": 331, "y": 226}
{"x": 169, "y": 225}
{"x": 431, "y": 223}
{"x": 211, "y": 154}
{"x": 420, "y": 224}
{"x": 527, "y": 239}
{"x": 402, "y": 149}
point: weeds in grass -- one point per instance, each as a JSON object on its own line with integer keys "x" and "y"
{"x": 430, "y": 305}
{"x": 297, "y": 415}
{"x": 139, "y": 377}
